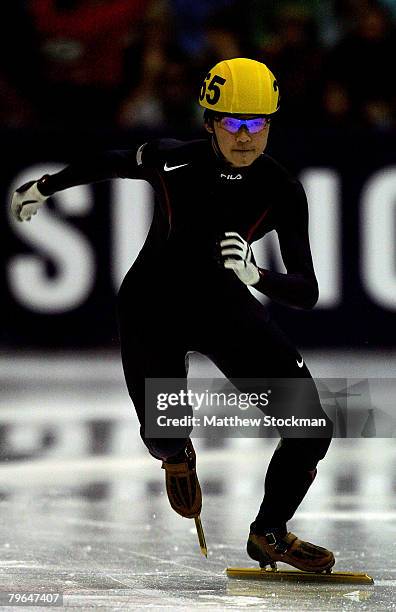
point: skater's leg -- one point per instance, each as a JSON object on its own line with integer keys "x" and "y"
{"x": 150, "y": 348}
{"x": 259, "y": 350}
{"x": 290, "y": 473}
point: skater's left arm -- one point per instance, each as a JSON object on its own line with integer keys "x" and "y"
{"x": 298, "y": 287}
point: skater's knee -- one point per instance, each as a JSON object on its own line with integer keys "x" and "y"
{"x": 321, "y": 448}
{"x": 316, "y": 450}
{"x": 304, "y": 452}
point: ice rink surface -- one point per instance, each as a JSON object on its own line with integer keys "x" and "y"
{"x": 84, "y": 512}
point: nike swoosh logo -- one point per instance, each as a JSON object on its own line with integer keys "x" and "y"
{"x": 300, "y": 363}
{"x": 168, "y": 168}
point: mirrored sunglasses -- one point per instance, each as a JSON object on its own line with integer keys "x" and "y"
{"x": 232, "y": 124}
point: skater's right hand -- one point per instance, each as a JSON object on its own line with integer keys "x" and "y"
{"x": 27, "y": 200}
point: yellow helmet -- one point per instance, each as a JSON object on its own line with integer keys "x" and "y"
{"x": 240, "y": 86}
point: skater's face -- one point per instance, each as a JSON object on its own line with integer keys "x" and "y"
{"x": 243, "y": 146}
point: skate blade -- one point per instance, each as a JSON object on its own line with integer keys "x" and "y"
{"x": 201, "y": 536}
{"x": 298, "y": 575}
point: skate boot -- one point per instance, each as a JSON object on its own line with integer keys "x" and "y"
{"x": 269, "y": 548}
{"x": 182, "y": 486}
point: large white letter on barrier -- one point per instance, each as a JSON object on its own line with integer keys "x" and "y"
{"x": 378, "y": 237}
{"x": 322, "y": 187}
{"x": 53, "y": 239}
{"x": 132, "y": 212}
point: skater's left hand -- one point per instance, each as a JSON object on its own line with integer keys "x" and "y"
{"x": 237, "y": 255}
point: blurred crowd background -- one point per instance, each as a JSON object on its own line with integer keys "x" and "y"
{"x": 138, "y": 63}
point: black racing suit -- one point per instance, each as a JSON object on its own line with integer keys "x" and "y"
{"x": 176, "y": 298}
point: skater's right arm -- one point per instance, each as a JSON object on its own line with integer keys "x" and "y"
{"x": 101, "y": 167}
{"x": 28, "y": 198}
{"x": 131, "y": 163}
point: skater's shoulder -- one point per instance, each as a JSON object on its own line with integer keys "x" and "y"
{"x": 168, "y": 152}
{"x": 285, "y": 189}
{"x": 276, "y": 170}
{"x": 281, "y": 181}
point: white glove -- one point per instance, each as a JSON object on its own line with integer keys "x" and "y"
{"x": 26, "y": 201}
{"x": 237, "y": 255}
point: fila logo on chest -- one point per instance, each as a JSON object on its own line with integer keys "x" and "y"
{"x": 231, "y": 177}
